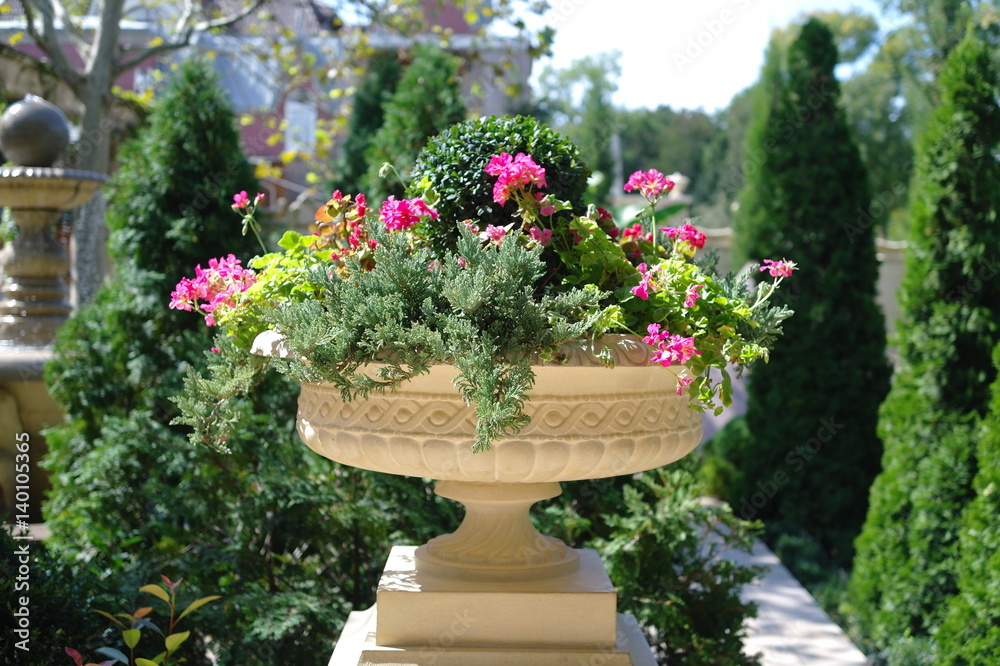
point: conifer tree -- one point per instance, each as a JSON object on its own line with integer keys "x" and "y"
{"x": 813, "y": 450}
{"x": 427, "y": 100}
{"x": 908, "y": 552}
{"x": 971, "y": 633}
{"x": 367, "y": 116}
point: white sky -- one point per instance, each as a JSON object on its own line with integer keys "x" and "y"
{"x": 680, "y": 53}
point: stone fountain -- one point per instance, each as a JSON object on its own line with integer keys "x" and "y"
{"x": 34, "y": 296}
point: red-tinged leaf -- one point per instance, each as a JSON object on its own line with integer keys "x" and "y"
{"x": 156, "y": 591}
{"x": 112, "y": 618}
{"x": 76, "y": 656}
{"x": 195, "y": 605}
{"x": 142, "y": 612}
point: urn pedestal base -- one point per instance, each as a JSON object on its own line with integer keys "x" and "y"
{"x": 423, "y": 619}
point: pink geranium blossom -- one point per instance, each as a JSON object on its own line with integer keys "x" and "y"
{"x": 687, "y": 233}
{"x": 651, "y": 184}
{"x": 636, "y": 232}
{"x": 682, "y": 383}
{"x": 670, "y": 349}
{"x": 641, "y": 290}
{"x": 512, "y": 173}
{"x": 781, "y": 268}
{"x": 692, "y": 295}
{"x": 495, "y": 234}
{"x": 539, "y": 235}
{"x": 405, "y": 213}
{"x": 212, "y": 286}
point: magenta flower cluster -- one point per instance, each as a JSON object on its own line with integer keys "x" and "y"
{"x": 686, "y": 233}
{"x": 670, "y": 349}
{"x": 651, "y": 184}
{"x": 212, "y": 287}
{"x": 405, "y": 213}
{"x": 782, "y": 268}
{"x": 513, "y": 173}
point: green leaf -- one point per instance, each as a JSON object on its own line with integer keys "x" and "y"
{"x": 139, "y": 661}
{"x": 110, "y": 617}
{"x": 195, "y": 605}
{"x": 173, "y": 641}
{"x": 156, "y": 591}
{"x": 113, "y": 653}
{"x": 131, "y": 637}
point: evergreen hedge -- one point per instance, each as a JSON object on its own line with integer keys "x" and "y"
{"x": 812, "y": 449}
{"x": 427, "y": 100}
{"x": 909, "y": 551}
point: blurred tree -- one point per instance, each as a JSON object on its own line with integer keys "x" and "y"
{"x": 812, "y": 408}
{"x": 577, "y": 100}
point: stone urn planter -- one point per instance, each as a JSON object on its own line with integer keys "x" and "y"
{"x": 496, "y": 590}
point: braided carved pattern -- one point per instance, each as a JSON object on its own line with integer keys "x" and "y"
{"x": 429, "y": 433}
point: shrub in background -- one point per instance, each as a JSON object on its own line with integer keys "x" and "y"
{"x": 427, "y": 100}
{"x": 812, "y": 409}
{"x": 291, "y": 540}
{"x": 367, "y": 115}
{"x": 908, "y": 553}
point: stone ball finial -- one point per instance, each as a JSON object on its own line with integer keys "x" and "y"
{"x": 33, "y": 132}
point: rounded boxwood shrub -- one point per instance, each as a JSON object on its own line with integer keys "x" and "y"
{"x": 452, "y": 165}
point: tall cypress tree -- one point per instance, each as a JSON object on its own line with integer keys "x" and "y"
{"x": 813, "y": 449}
{"x": 908, "y": 553}
{"x": 971, "y": 633}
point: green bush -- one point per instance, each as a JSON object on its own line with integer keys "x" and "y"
{"x": 367, "y": 115}
{"x": 660, "y": 542}
{"x": 61, "y": 597}
{"x": 812, "y": 409}
{"x": 722, "y": 457}
{"x": 427, "y": 100}
{"x": 908, "y": 553}
{"x": 452, "y": 165}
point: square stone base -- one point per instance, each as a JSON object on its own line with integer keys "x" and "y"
{"x": 425, "y": 619}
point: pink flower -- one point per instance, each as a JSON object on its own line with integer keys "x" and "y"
{"x": 636, "y": 232}
{"x": 539, "y": 235}
{"x": 258, "y": 198}
{"x": 241, "y": 200}
{"x": 461, "y": 262}
{"x": 781, "y": 268}
{"x": 513, "y": 173}
{"x": 682, "y": 383}
{"x": 545, "y": 211}
{"x": 651, "y": 184}
{"x": 642, "y": 289}
{"x": 495, "y": 234}
{"x": 403, "y": 214}
{"x": 670, "y": 349}
{"x": 692, "y": 295}
{"x": 687, "y": 233}
{"x": 361, "y": 204}
{"x": 212, "y": 287}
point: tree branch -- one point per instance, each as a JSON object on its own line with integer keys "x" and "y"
{"x": 47, "y": 39}
{"x": 183, "y": 30}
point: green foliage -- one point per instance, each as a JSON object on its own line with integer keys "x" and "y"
{"x": 722, "y": 457}
{"x": 909, "y": 550}
{"x": 61, "y": 596}
{"x": 452, "y": 167}
{"x": 131, "y": 496}
{"x": 367, "y": 116}
{"x": 140, "y": 619}
{"x": 427, "y": 100}
{"x": 971, "y": 633}
{"x": 661, "y": 542}
{"x": 813, "y": 448}
{"x": 578, "y": 101}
